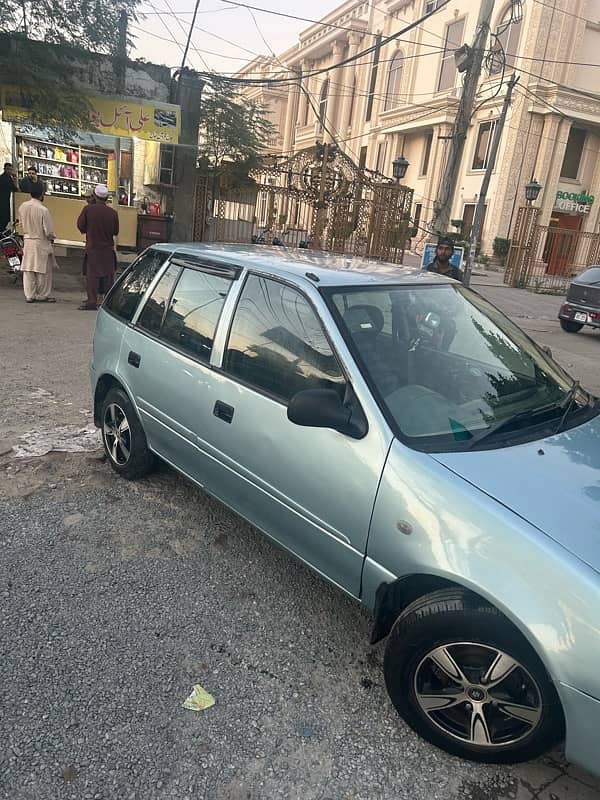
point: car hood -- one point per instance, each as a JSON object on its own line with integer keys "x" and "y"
{"x": 553, "y": 483}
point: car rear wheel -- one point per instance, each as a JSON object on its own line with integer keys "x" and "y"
{"x": 124, "y": 438}
{"x": 465, "y": 679}
{"x": 570, "y": 327}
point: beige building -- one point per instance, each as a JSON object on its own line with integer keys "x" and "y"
{"x": 402, "y": 97}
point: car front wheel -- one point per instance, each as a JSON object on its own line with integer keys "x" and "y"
{"x": 123, "y": 437}
{"x": 464, "y": 678}
{"x": 570, "y": 327}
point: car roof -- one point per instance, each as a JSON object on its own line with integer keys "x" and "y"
{"x": 295, "y": 263}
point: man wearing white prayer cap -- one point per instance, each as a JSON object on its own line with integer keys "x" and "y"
{"x": 100, "y": 223}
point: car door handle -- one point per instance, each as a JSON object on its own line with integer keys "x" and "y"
{"x": 223, "y": 411}
{"x": 134, "y": 359}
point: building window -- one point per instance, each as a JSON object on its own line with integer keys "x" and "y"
{"x": 167, "y": 164}
{"x": 426, "y": 153}
{"x": 453, "y": 40}
{"x": 392, "y": 92}
{"x": 573, "y": 153}
{"x": 352, "y": 102}
{"x": 307, "y": 106}
{"x": 381, "y": 152}
{"x": 323, "y": 104}
{"x": 507, "y": 40}
{"x": 468, "y": 217}
{"x": 373, "y": 78}
{"x": 431, "y": 5}
{"x": 417, "y": 215}
{"x": 484, "y": 145}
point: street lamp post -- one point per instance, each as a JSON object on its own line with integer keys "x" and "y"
{"x": 399, "y": 167}
{"x": 532, "y": 190}
{"x": 517, "y": 268}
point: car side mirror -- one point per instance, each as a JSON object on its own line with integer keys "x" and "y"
{"x": 545, "y": 349}
{"x": 322, "y": 408}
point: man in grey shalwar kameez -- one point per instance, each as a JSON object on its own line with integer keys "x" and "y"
{"x": 38, "y": 252}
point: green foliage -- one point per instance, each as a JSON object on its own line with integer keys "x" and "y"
{"x": 501, "y": 247}
{"x": 232, "y": 129}
{"x": 43, "y": 47}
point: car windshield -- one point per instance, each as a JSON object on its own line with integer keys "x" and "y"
{"x": 447, "y": 366}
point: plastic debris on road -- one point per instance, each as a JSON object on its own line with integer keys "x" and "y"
{"x": 61, "y": 439}
{"x": 199, "y": 699}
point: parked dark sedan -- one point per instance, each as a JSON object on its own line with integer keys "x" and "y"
{"x": 582, "y": 306}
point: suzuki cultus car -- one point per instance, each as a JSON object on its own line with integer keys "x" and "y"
{"x": 397, "y": 433}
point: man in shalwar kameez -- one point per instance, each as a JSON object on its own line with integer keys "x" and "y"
{"x": 38, "y": 251}
{"x": 100, "y": 225}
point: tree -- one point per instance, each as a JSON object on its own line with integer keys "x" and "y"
{"x": 46, "y": 48}
{"x": 233, "y": 130}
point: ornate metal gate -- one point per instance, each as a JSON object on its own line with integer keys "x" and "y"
{"x": 319, "y": 199}
{"x": 545, "y": 257}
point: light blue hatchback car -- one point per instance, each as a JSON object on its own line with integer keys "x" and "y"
{"x": 398, "y": 434}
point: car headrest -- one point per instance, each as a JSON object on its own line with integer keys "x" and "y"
{"x": 364, "y": 319}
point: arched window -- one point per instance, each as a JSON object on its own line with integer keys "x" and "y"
{"x": 323, "y": 103}
{"x": 507, "y": 38}
{"x": 392, "y": 92}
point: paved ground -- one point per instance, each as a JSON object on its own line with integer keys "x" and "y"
{"x": 117, "y": 598}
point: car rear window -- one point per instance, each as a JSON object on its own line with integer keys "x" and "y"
{"x": 591, "y": 275}
{"x": 193, "y": 313}
{"x": 125, "y": 296}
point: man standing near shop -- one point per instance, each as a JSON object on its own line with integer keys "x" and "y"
{"x": 38, "y": 251}
{"x": 31, "y": 180}
{"x": 8, "y": 185}
{"x": 100, "y": 225}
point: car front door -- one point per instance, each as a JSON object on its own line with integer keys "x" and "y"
{"x": 311, "y": 489}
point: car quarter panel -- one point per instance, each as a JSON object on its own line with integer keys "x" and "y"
{"x": 453, "y": 530}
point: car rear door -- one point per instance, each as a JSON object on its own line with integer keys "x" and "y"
{"x": 166, "y": 353}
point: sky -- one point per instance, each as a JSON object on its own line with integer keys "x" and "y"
{"x": 218, "y": 19}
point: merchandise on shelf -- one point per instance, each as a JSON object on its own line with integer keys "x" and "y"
{"x": 66, "y": 169}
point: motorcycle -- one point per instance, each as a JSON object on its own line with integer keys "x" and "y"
{"x": 11, "y": 246}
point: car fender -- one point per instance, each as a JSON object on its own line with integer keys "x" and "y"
{"x": 429, "y": 522}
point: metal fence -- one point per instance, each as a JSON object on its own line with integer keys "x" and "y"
{"x": 546, "y": 258}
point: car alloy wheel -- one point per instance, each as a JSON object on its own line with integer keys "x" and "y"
{"x": 477, "y": 694}
{"x": 116, "y": 433}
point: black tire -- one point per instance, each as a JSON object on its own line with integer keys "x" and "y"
{"x": 430, "y": 702}
{"x": 127, "y": 453}
{"x": 570, "y": 327}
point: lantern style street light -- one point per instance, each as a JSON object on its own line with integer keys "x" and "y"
{"x": 532, "y": 190}
{"x": 399, "y": 167}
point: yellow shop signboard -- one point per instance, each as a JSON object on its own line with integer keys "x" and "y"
{"x": 113, "y": 116}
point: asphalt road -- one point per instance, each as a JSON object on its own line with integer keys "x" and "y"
{"x": 118, "y": 597}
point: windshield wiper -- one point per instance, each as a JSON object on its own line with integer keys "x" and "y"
{"x": 508, "y": 421}
{"x": 567, "y": 403}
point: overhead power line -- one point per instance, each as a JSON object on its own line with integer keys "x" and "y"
{"x": 553, "y": 8}
{"x": 333, "y": 25}
{"x": 196, "y": 49}
{"x": 349, "y": 60}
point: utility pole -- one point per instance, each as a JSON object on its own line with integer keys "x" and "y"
{"x": 120, "y": 85}
{"x": 441, "y": 219}
{"x": 121, "y": 54}
{"x": 478, "y": 216}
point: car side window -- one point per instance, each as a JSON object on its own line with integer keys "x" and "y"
{"x": 153, "y": 312}
{"x": 193, "y": 313}
{"x": 277, "y": 343}
{"x": 125, "y": 296}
